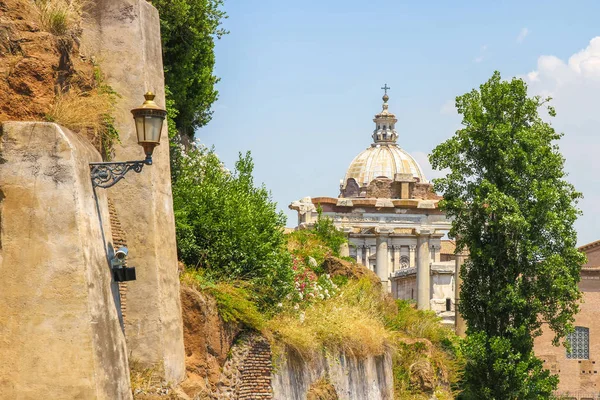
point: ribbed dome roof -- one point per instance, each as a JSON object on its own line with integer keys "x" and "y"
{"x": 382, "y": 160}
{"x": 384, "y": 157}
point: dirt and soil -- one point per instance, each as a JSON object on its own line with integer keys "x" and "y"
{"x": 35, "y": 65}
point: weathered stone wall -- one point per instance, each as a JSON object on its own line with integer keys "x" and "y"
{"x": 59, "y": 330}
{"x": 124, "y": 36}
{"x": 368, "y": 378}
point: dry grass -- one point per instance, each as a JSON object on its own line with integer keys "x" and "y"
{"x": 59, "y": 17}
{"x": 352, "y": 322}
{"x": 87, "y": 113}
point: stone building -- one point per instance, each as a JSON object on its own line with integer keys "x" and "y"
{"x": 579, "y": 369}
{"x": 390, "y": 213}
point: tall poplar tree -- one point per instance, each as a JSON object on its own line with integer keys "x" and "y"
{"x": 513, "y": 211}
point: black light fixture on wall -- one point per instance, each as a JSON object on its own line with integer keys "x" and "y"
{"x": 149, "y": 120}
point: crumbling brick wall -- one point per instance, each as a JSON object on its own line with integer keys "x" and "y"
{"x": 118, "y": 239}
{"x": 247, "y": 373}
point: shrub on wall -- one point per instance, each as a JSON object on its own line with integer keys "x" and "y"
{"x": 228, "y": 226}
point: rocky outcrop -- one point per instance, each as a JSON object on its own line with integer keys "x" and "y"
{"x": 337, "y": 267}
{"x": 222, "y": 362}
{"x": 35, "y": 64}
{"x": 208, "y": 341}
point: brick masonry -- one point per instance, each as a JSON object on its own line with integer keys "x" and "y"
{"x": 118, "y": 239}
{"x": 579, "y": 378}
{"x": 247, "y": 373}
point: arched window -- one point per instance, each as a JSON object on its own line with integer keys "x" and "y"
{"x": 580, "y": 343}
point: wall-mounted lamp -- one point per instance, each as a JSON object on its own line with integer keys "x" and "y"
{"x": 149, "y": 120}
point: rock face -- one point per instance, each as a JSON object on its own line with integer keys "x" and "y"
{"x": 208, "y": 341}
{"x": 125, "y": 37}
{"x": 368, "y": 378}
{"x": 34, "y": 64}
{"x": 60, "y": 336}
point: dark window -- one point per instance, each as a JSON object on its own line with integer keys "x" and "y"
{"x": 448, "y": 304}
{"x": 580, "y": 343}
{"x": 412, "y": 294}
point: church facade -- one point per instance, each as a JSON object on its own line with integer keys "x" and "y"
{"x": 390, "y": 214}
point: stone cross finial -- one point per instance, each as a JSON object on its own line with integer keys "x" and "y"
{"x": 386, "y": 88}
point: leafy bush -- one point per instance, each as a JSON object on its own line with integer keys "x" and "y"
{"x": 328, "y": 233}
{"x": 229, "y": 227}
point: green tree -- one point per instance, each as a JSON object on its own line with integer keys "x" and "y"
{"x": 188, "y": 30}
{"x": 513, "y": 210}
{"x": 228, "y": 226}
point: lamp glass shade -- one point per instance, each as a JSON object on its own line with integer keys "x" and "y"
{"x": 149, "y": 120}
{"x": 149, "y": 128}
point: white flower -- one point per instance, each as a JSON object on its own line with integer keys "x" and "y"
{"x": 279, "y": 305}
{"x": 296, "y": 307}
{"x": 302, "y": 317}
{"x": 301, "y": 296}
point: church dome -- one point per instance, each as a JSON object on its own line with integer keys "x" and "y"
{"x": 384, "y": 158}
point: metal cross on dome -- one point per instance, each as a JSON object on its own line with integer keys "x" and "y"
{"x": 386, "y": 88}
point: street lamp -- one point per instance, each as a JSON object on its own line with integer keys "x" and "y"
{"x": 149, "y": 120}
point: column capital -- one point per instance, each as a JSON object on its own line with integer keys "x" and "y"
{"x": 412, "y": 247}
{"x": 423, "y": 231}
{"x": 383, "y": 231}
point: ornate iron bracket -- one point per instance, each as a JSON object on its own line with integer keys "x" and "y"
{"x": 107, "y": 174}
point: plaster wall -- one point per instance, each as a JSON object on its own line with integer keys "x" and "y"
{"x": 127, "y": 33}
{"x": 60, "y": 336}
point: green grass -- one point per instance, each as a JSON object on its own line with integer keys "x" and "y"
{"x": 235, "y": 301}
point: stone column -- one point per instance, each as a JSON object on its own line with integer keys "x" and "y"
{"x": 382, "y": 261}
{"x": 412, "y": 250}
{"x": 124, "y": 36}
{"x": 459, "y": 323}
{"x": 367, "y": 255}
{"x": 397, "y": 265}
{"x": 359, "y": 254}
{"x": 423, "y": 272}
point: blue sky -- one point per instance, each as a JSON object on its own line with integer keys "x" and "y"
{"x": 300, "y": 82}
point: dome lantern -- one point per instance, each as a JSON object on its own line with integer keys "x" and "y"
{"x": 385, "y": 123}
{"x": 384, "y": 158}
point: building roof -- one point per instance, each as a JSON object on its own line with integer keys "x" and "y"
{"x": 384, "y": 158}
{"x": 589, "y": 246}
{"x": 448, "y": 247}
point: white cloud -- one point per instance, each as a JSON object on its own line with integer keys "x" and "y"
{"x": 574, "y": 86}
{"x": 522, "y": 35}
